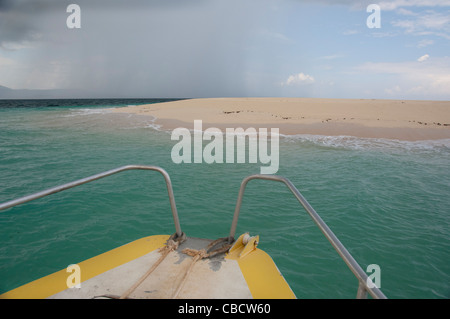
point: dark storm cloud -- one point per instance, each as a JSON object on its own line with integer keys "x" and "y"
{"x": 5, "y": 4}
{"x": 140, "y": 48}
{"x": 19, "y": 21}
{"x": 23, "y": 20}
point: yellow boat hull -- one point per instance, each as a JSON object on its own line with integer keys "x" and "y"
{"x": 244, "y": 272}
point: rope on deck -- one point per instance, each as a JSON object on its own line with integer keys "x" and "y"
{"x": 201, "y": 254}
{"x": 172, "y": 244}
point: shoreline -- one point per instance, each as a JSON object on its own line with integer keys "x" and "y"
{"x": 390, "y": 119}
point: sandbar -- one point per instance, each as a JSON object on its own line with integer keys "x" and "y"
{"x": 393, "y": 119}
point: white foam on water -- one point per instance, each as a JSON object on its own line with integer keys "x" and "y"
{"x": 153, "y": 125}
{"x": 338, "y": 142}
{"x": 359, "y": 143}
{"x": 87, "y": 111}
{"x": 149, "y": 123}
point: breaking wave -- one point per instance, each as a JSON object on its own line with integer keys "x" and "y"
{"x": 358, "y": 143}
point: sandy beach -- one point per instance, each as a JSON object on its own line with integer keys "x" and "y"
{"x": 393, "y": 119}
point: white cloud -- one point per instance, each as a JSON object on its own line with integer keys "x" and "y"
{"x": 10, "y": 71}
{"x": 394, "y": 90}
{"x": 406, "y": 12}
{"x": 299, "y": 79}
{"x": 330, "y": 57}
{"x": 434, "y": 20}
{"x": 425, "y": 42}
{"x": 392, "y": 5}
{"x": 430, "y": 23}
{"x": 387, "y": 5}
{"x": 6, "y": 62}
{"x": 423, "y": 80}
{"x": 423, "y": 58}
{"x": 17, "y": 74}
{"x": 15, "y": 46}
{"x": 276, "y": 36}
{"x": 351, "y": 32}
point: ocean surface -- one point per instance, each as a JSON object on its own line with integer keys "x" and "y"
{"x": 387, "y": 201}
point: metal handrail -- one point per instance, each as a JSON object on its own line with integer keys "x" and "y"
{"x": 63, "y": 187}
{"x": 362, "y": 277}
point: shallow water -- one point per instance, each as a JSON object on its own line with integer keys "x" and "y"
{"x": 386, "y": 200}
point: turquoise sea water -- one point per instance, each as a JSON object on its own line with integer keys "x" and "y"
{"x": 387, "y": 201}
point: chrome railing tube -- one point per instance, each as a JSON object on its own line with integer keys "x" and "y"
{"x": 342, "y": 251}
{"x": 63, "y": 187}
